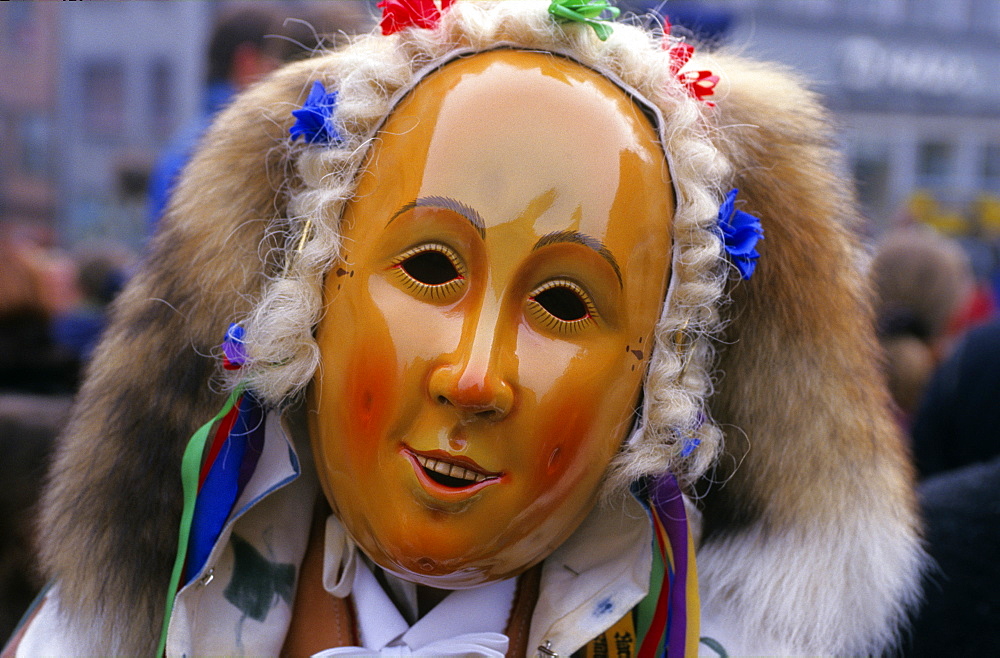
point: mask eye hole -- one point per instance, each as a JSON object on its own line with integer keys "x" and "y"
{"x": 431, "y": 271}
{"x": 562, "y": 302}
{"x": 431, "y": 268}
{"x": 561, "y": 305}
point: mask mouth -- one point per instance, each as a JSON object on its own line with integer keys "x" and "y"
{"x": 450, "y": 471}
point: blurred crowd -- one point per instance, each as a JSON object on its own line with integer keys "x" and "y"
{"x": 53, "y": 307}
{"x": 55, "y": 301}
{"x": 936, "y": 304}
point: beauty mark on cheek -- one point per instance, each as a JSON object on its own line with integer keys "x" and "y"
{"x": 564, "y": 435}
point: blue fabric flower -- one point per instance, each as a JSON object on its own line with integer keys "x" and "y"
{"x": 740, "y": 233}
{"x": 691, "y": 443}
{"x": 689, "y": 446}
{"x": 314, "y": 121}
{"x": 233, "y": 348}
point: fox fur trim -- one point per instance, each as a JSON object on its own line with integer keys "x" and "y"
{"x": 811, "y": 535}
{"x": 810, "y": 539}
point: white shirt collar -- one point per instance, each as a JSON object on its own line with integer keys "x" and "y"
{"x": 594, "y": 578}
{"x": 380, "y": 624}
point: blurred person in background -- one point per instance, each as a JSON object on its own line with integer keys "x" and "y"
{"x": 944, "y": 370}
{"x": 961, "y": 510}
{"x": 28, "y": 428}
{"x": 102, "y": 270}
{"x": 36, "y": 284}
{"x": 923, "y": 282}
{"x": 958, "y": 421}
{"x": 239, "y": 54}
{"x": 321, "y": 26}
{"x": 36, "y": 380}
{"x": 246, "y": 44}
{"x": 956, "y": 445}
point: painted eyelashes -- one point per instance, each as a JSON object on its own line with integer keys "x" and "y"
{"x": 435, "y": 270}
{"x": 561, "y": 305}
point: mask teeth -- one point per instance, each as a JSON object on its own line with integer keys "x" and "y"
{"x": 451, "y": 470}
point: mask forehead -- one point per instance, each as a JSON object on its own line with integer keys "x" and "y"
{"x": 511, "y": 156}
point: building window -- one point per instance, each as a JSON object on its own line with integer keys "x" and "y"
{"x": 18, "y": 26}
{"x": 935, "y": 162}
{"x": 103, "y": 98}
{"x": 871, "y": 175}
{"x": 991, "y": 168}
{"x": 35, "y": 157}
{"x": 870, "y": 166}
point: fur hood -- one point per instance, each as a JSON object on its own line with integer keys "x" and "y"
{"x": 810, "y": 537}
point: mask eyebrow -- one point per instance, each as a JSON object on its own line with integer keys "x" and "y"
{"x": 470, "y": 214}
{"x": 585, "y": 240}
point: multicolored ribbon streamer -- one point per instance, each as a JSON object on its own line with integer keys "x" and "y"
{"x": 669, "y": 617}
{"x": 231, "y": 460}
{"x": 219, "y": 459}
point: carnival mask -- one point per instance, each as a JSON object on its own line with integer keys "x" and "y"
{"x": 486, "y": 332}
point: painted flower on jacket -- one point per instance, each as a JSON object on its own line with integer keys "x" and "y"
{"x": 400, "y": 14}
{"x": 314, "y": 121}
{"x": 740, "y": 231}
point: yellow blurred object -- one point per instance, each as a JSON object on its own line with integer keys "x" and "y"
{"x": 925, "y": 209}
{"x": 986, "y": 211}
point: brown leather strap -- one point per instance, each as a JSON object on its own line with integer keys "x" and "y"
{"x": 319, "y": 620}
{"x": 519, "y": 623}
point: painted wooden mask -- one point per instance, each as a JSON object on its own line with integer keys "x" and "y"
{"x": 486, "y": 332}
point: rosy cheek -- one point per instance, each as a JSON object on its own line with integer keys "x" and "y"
{"x": 370, "y": 396}
{"x": 564, "y": 437}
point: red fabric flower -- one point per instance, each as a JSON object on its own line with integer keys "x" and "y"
{"x": 400, "y": 14}
{"x": 699, "y": 83}
{"x": 680, "y": 53}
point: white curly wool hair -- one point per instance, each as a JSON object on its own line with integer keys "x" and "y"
{"x": 373, "y": 74}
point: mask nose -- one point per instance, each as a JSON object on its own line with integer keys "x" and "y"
{"x": 471, "y": 379}
{"x": 473, "y": 393}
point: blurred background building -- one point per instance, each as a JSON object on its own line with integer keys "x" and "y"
{"x": 91, "y": 91}
{"x": 913, "y": 84}
{"x": 95, "y": 97}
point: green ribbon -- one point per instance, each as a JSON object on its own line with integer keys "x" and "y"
{"x": 587, "y": 12}
{"x": 647, "y": 607}
{"x": 190, "y": 472}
